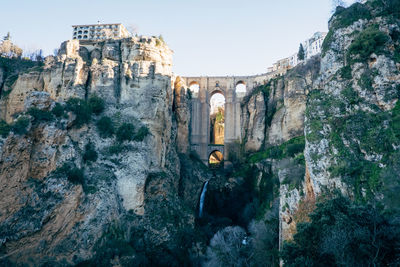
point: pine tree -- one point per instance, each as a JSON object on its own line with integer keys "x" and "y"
{"x": 7, "y": 37}
{"x": 300, "y": 54}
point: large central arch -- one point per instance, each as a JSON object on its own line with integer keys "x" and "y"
{"x": 203, "y": 89}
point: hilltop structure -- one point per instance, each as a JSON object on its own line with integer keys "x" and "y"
{"x": 312, "y": 47}
{"x": 99, "y": 31}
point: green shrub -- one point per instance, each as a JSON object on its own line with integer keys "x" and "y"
{"x": 74, "y": 174}
{"x": 58, "y": 110}
{"x": 387, "y": 7}
{"x": 105, "y": 126}
{"x": 351, "y": 95}
{"x": 342, "y": 233}
{"x": 365, "y": 81}
{"x": 40, "y": 115}
{"x": 90, "y": 153}
{"x": 345, "y": 73}
{"x": 347, "y": 16}
{"x": 4, "y": 128}
{"x": 141, "y": 134}
{"x": 20, "y": 126}
{"x": 115, "y": 149}
{"x": 293, "y": 149}
{"x": 96, "y": 104}
{"x": 369, "y": 41}
{"x": 288, "y": 149}
{"x": 125, "y": 132}
{"x": 395, "y": 122}
{"x": 327, "y": 42}
{"x": 81, "y": 110}
{"x": 396, "y": 55}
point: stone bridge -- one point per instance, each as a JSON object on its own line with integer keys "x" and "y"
{"x": 200, "y": 123}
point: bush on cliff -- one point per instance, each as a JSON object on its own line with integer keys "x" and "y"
{"x": 58, "y": 110}
{"x": 74, "y": 174}
{"x": 90, "y": 153}
{"x": 40, "y": 115}
{"x": 20, "y": 126}
{"x": 141, "y": 134}
{"x": 125, "y": 132}
{"x": 342, "y": 233}
{"x": 344, "y": 17}
{"x": 369, "y": 41}
{"x": 96, "y": 104}
{"x": 4, "y": 128}
{"x": 105, "y": 126}
{"x": 81, "y": 110}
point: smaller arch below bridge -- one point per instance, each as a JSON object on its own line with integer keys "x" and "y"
{"x": 215, "y": 156}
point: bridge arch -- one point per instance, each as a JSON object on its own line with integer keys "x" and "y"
{"x": 215, "y": 158}
{"x": 217, "y": 117}
{"x": 241, "y": 88}
{"x": 194, "y": 87}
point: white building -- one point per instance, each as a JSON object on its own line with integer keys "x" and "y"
{"x": 99, "y": 31}
{"x": 312, "y": 47}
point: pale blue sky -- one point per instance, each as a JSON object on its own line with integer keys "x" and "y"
{"x": 209, "y": 37}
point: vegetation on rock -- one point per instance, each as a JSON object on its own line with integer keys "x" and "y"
{"x": 125, "y": 132}
{"x": 342, "y": 233}
{"x": 105, "y": 126}
{"x": 90, "y": 153}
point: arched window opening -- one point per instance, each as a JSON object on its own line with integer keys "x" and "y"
{"x": 217, "y": 119}
{"x": 216, "y": 159}
{"x": 240, "y": 88}
{"x": 194, "y": 87}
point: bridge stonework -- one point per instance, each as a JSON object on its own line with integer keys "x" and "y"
{"x": 200, "y": 110}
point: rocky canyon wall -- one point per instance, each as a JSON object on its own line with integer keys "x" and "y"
{"x": 61, "y": 207}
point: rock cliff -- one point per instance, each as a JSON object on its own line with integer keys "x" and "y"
{"x": 76, "y": 203}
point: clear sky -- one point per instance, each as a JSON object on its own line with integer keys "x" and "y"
{"x": 209, "y": 37}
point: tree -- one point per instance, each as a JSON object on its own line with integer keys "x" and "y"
{"x": 7, "y": 37}
{"x": 301, "y": 54}
{"x": 39, "y": 55}
{"x": 228, "y": 247}
{"x": 342, "y": 233}
{"x": 336, "y": 4}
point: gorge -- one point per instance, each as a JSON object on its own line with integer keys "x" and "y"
{"x": 104, "y": 156}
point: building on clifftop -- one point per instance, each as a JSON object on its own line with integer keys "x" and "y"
{"x": 99, "y": 31}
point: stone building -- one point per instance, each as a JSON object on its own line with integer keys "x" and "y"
{"x": 312, "y": 47}
{"x": 99, "y": 31}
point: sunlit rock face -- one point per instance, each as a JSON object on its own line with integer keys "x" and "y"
{"x": 274, "y": 113}
{"x": 45, "y": 217}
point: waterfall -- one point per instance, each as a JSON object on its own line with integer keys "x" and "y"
{"x": 202, "y": 197}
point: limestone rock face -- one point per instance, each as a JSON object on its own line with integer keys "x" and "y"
{"x": 347, "y": 113}
{"x": 132, "y": 189}
{"x": 253, "y": 121}
{"x": 182, "y": 111}
{"x": 274, "y": 113}
{"x": 288, "y": 120}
